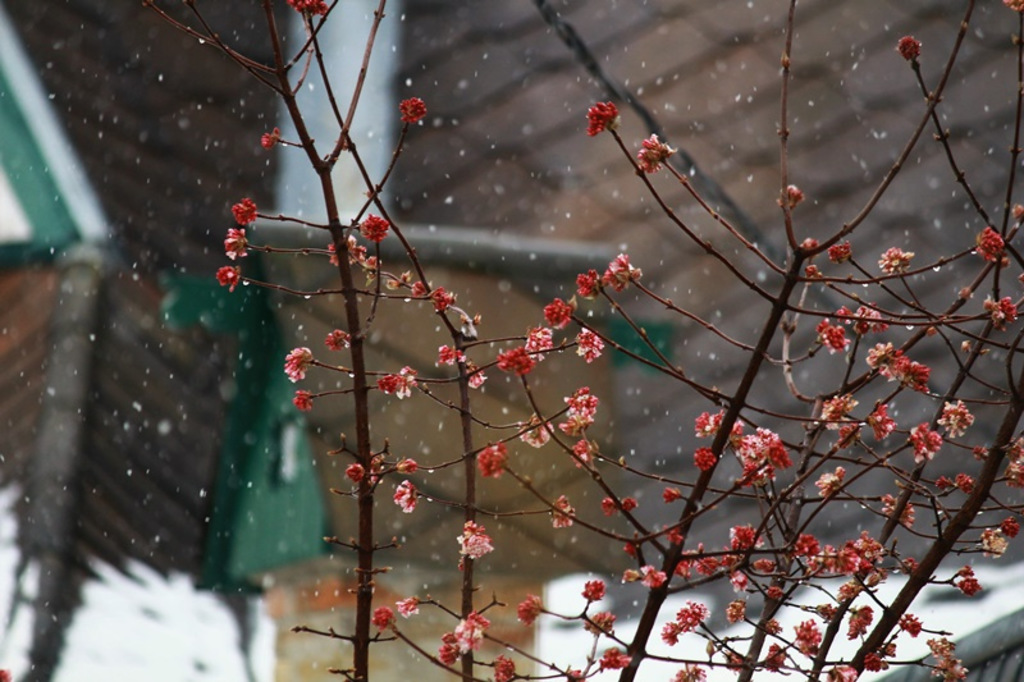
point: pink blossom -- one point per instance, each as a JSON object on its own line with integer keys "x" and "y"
{"x": 840, "y": 253}
{"x": 602, "y": 116}
{"x": 406, "y": 496}
{"x": 835, "y": 409}
{"x": 614, "y": 659}
{"x": 620, "y": 273}
{"x": 537, "y": 435}
{"x": 948, "y": 667}
{"x": 581, "y": 412}
{"x": 229, "y": 276}
{"x": 909, "y": 48}
{"x": 413, "y": 110}
{"x": 474, "y": 542}
{"x": 408, "y": 607}
{"x": 707, "y": 424}
{"x": 873, "y": 322}
{"x": 925, "y": 441}
{"x": 476, "y": 376}
{"x": 889, "y": 508}
{"x": 736, "y": 611}
{"x": 419, "y": 290}
{"x": 356, "y": 253}
{"x": 690, "y": 672}
{"x": 561, "y": 515}
{"x": 608, "y": 506}
{"x": 303, "y": 400}
{"x": 309, "y": 6}
{"x": 993, "y": 543}
{"x": 880, "y": 422}
{"x": 491, "y": 460}
{"x": 337, "y": 340}
{"x": 829, "y": 483}
{"x": 400, "y": 384}
{"x": 594, "y": 590}
{"x": 653, "y": 152}
{"x": 470, "y": 632}
{"x": 504, "y": 669}
{"x": 688, "y": 619}
{"x": 383, "y": 617}
{"x": 794, "y": 196}
{"x": 843, "y": 673}
{"x": 268, "y": 140}
{"x": 583, "y": 449}
{"x": 442, "y": 299}
{"x": 895, "y": 261}
{"x": 832, "y": 336}
{"x": 587, "y": 284}
{"x": 558, "y": 313}
{"x": 704, "y": 458}
{"x": 235, "y": 244}
{"x": 448, "y": 652}
{"x": 446, "y": 355}
{"x": 589, "y": 345}
{"x": 990, "y": 245}
{"x": 860, "y": 620}
{"x": 600, "y": 623}
{"x": 911, "y": 373}
{"x": 806, "y": 545}
{"x": 742, "y": 537}
{"x": 355, "y": 472}
{"x": 374, "y": 228}
{"x": 910, "y": 624}
{"x": 529, "y": 609}
{"x": 244, "y": 211}
{"x": 956, "y": 418}
{"x": 761, "y": 453}
{"x": 894, "y": 365}
{"x": 652, "y": 577}
{"x": 517, "y": 360}
{"x": 538, "y": 340}
{"x": 808, "y": 637}
{"x": 1002, "y": 312}
{"x": 297, "y": 362}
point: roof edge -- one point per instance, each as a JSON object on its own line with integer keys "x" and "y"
{"x": 62, "y": 159}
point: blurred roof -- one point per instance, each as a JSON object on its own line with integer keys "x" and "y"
{"x": 504, "y": 147}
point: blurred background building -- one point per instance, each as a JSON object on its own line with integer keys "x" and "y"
{"x": 144, "y": 412}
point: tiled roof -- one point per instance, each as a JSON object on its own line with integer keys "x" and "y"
{"x": 22, "y": 362}
{"x": 168, "y": 145}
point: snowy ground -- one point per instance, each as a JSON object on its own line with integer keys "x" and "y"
{"x": 142, "y": 627}
{"x": 146, "y": 627}
{"x": 939, "y": 608}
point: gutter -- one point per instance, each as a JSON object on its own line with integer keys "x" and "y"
{"x": 523, "y": 259}
{"x": 52, "y": 495}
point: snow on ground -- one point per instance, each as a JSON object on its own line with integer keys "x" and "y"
{"x": 938, "y": 607}
{"x": 136, "y": 627}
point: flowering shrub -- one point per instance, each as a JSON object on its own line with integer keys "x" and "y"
{"x": 884, "y": 392}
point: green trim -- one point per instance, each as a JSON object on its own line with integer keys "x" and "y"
{"x": 268, "y": 508}
{"x": 660, "y": 334}
{"x": 23, "y": 162}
